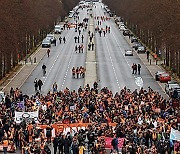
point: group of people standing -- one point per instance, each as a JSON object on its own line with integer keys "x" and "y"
{"x": 38, "y": 84}
{"x": 90, "y": 44}
{"x": 78, "y": 72}
{"x": 136, "y": 68}
{"x": 77, "y": 39}
{"x": 62, "y": 39}
{"x": 79, "y": 48}
{"x": 103, "y": 31}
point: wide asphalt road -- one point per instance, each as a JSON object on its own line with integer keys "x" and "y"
{"x": 59, "y": 64}
{"x": 114, "y": 68}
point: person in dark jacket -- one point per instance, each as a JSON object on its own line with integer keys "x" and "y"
{"x": 67, "y": 144}
{"x": 48, "y": 134}
{"x": 61, "y": 143}
{"x": 55, "y": 144}
{"x": 40, "y": 83}
{"x": 139, "y": 69}
{"x": 135, "y": 68}
{"x": 36, "y": 84}
{"x": 114, "y": 143}
{"x": 7, "y": 101}
{"x": 75, "y": 147}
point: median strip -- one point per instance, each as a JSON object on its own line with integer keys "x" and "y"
{"x": 91, "y": 71}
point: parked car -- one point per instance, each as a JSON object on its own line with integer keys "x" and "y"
{"x": 134, "y": 39}
{"x": 51, "y": 37}
{"x": 136, "y": 45}
{"x": 58, "y": 29}
{"x": 169, "y": 87}
{"x": 164, "y": 77}
{"x": 122, "y": 28}
{"x": 2, "y": 96}
{"x": 157, "y": 75}
{"x": 141, "y": 49}
{"x": 126, "y": 32}
{"x": 176, "y": 93}
{"x": 128, "y": 52}
{"x": 81, "y": 2}
{"x": 46, "y": 43}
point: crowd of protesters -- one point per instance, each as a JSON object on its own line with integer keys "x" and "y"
{"x": 143, "y": 118}
{"x": 78, "y": 72}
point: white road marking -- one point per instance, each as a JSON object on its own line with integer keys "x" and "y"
{"x": 64, "y": 46}
{"x": 117, "y": 81}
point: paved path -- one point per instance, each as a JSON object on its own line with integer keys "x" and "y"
{"x": 24, "y": 72}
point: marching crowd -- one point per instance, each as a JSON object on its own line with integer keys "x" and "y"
{"x": 143, "y": 118}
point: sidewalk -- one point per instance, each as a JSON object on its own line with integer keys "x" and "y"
{"x": 19, "y": 77}
{"x": 91, "y": 72}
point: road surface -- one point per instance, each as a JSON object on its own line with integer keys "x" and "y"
{"x": 113, "y": 67}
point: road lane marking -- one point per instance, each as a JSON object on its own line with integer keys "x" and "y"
{"x": 117, "y": 81}
{"x": 112, "y": 64}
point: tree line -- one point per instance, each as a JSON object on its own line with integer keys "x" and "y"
{"x": 24, "y": 24}
{"x": 156, "y": 23}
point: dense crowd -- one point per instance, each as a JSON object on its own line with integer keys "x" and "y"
{"x": 143, "y": 118}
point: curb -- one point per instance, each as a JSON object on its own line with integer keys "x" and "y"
{"x": 37, "y": 49}
{"x": 36, "y": 64}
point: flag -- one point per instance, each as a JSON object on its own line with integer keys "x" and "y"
{"x": 175, "y": 134}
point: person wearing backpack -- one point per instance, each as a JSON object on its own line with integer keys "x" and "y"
{"x": 114, "y": 143}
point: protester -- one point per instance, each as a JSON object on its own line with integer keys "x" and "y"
{"x": 79, "y": 72}
{"x": 139, "y": 69}
{"x": 60, "y": 39}
{"x": 36, "y": 84}
{"x": 48, "y": 52}
{"x": 143, "y": 118}
{"x": 40, "y": 83}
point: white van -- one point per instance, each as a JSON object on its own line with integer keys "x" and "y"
{"x": 58, "y": 29}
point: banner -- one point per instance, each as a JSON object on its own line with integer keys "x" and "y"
{"x": 175, "y": 135}
{"x": 108, "y": 141}
{"x": 11, "y": 148}
{"x": 20, "y": 116}
{"x": 72, "y": 128}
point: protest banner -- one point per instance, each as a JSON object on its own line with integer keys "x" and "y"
{"x": 20, "y": 116}
{"x": 108, "y": 141}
